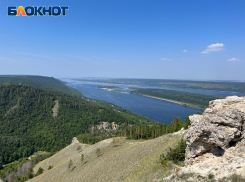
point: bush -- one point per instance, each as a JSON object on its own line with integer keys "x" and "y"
{"x": 40, "y": 157}
{"x": 70, "y": 165}
{"x": 237, "y": 178}
{"x": 175, "y": 155}
{"x": 82, "y": 157}
{"x": 30, "y": 174}
{"x": 88, "y": 138}
{"x": 39, "y": 171}
{"x": 210, "y": 176}
{"x": 98, "y": 152}
{"x": 50, "y": 167}
{"x": 79, "y": 147}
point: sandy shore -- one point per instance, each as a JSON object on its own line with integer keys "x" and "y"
{"x": 181, "y": 103}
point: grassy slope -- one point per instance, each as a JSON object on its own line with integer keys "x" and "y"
{"x": 130, "y": 161}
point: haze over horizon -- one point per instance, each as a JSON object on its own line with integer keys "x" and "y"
{"x": 192, "y": 40}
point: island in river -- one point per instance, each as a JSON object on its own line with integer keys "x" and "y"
{"x": 195, "y": 100}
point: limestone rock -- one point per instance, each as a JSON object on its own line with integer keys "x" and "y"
{"x": 219, "y": 128}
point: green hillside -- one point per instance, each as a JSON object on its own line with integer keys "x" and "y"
{"x": 27, "y": 124}
{"x": 47, "y": 83}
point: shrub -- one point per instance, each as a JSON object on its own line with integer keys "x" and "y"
{"x": 79, "y": 147}
{"x": 98, "y": 152}
{"x": 237, "y": 178}
{"x": 30, "y": 174}
{"x": 39, "y": 171}
{"x": 50, "y": 167}
{"x": 82, "y": 158}
{"x": 70, "y": 165}
{"x": 210, "y": 176}
{"x": 174, "y": 155}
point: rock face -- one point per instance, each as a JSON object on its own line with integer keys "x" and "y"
{"x": 220, "y": 127}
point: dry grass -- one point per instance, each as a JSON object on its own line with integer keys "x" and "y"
{"x": 120, "y": 160}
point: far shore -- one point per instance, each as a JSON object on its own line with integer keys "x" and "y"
{"x": 181, "y": 103}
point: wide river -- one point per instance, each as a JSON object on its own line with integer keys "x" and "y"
{"x": 155, "y": 109}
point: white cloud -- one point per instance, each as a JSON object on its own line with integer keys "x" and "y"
{"x": 184, "y": 50}
{"x": 214, "y": 48}
{"x": 233, "y": 59}
{"x": 166, "y": 59}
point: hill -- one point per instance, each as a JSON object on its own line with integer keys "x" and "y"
{"x": 120, "y": 160}
{"x": 27, "y": 123}
{"x": 47, "y": 83}
{"x": 215, "y": 152}
{"x": 50, "y": 83}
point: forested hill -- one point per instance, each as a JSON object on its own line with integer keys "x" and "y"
{"x": 48, "y": 83}
{"x": 27, "y": 123}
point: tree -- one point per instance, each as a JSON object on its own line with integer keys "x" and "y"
{"x": 39, "y": 171}
{"x": 98, "y": 152}
{"x": 82, "y": 158}
{"x": 30, "y": 174}
{"x": 70, "y": 165}
{"x": 1, "y": 165}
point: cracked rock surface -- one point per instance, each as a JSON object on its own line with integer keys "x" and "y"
{"x": 220, "y": 127}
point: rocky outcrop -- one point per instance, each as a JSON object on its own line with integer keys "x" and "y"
{"x": 220, "y": 127}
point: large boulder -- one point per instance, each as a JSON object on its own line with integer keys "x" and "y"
{"x": 219, "y": 128}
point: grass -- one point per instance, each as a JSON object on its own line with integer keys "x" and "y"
{"x": 120, "y": 160}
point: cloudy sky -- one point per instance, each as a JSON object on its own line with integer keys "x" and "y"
{"x": 170, "y": 39}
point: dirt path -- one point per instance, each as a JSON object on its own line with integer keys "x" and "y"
{"x": 55, "y": 109}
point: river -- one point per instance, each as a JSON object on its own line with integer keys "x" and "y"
{"x": 155, "y": 109}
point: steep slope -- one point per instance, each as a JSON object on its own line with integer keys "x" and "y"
{"x": 120, "y": 160}
{"x": 27, "y": 123}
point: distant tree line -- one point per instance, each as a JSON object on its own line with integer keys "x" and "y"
{"x": 44, "y": 82}
{"x": 190, "y": 99}
{"x": 154, "y": 131}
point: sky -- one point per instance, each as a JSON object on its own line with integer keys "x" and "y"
{"x": 165, "y": 39}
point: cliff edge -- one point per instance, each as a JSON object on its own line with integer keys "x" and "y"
{"x": 216, "y": 139}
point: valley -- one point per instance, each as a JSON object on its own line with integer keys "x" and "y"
{"x": 105, "y": 135}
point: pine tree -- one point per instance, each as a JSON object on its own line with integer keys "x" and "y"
{"x": 82, "y": 158}
{"x": 39, "y": 171}
{"x": 70, "y": 165}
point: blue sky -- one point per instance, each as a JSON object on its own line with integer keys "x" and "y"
{"x": 169, "y": 39}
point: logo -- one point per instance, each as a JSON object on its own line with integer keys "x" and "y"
{"x": 35, "y": 10}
